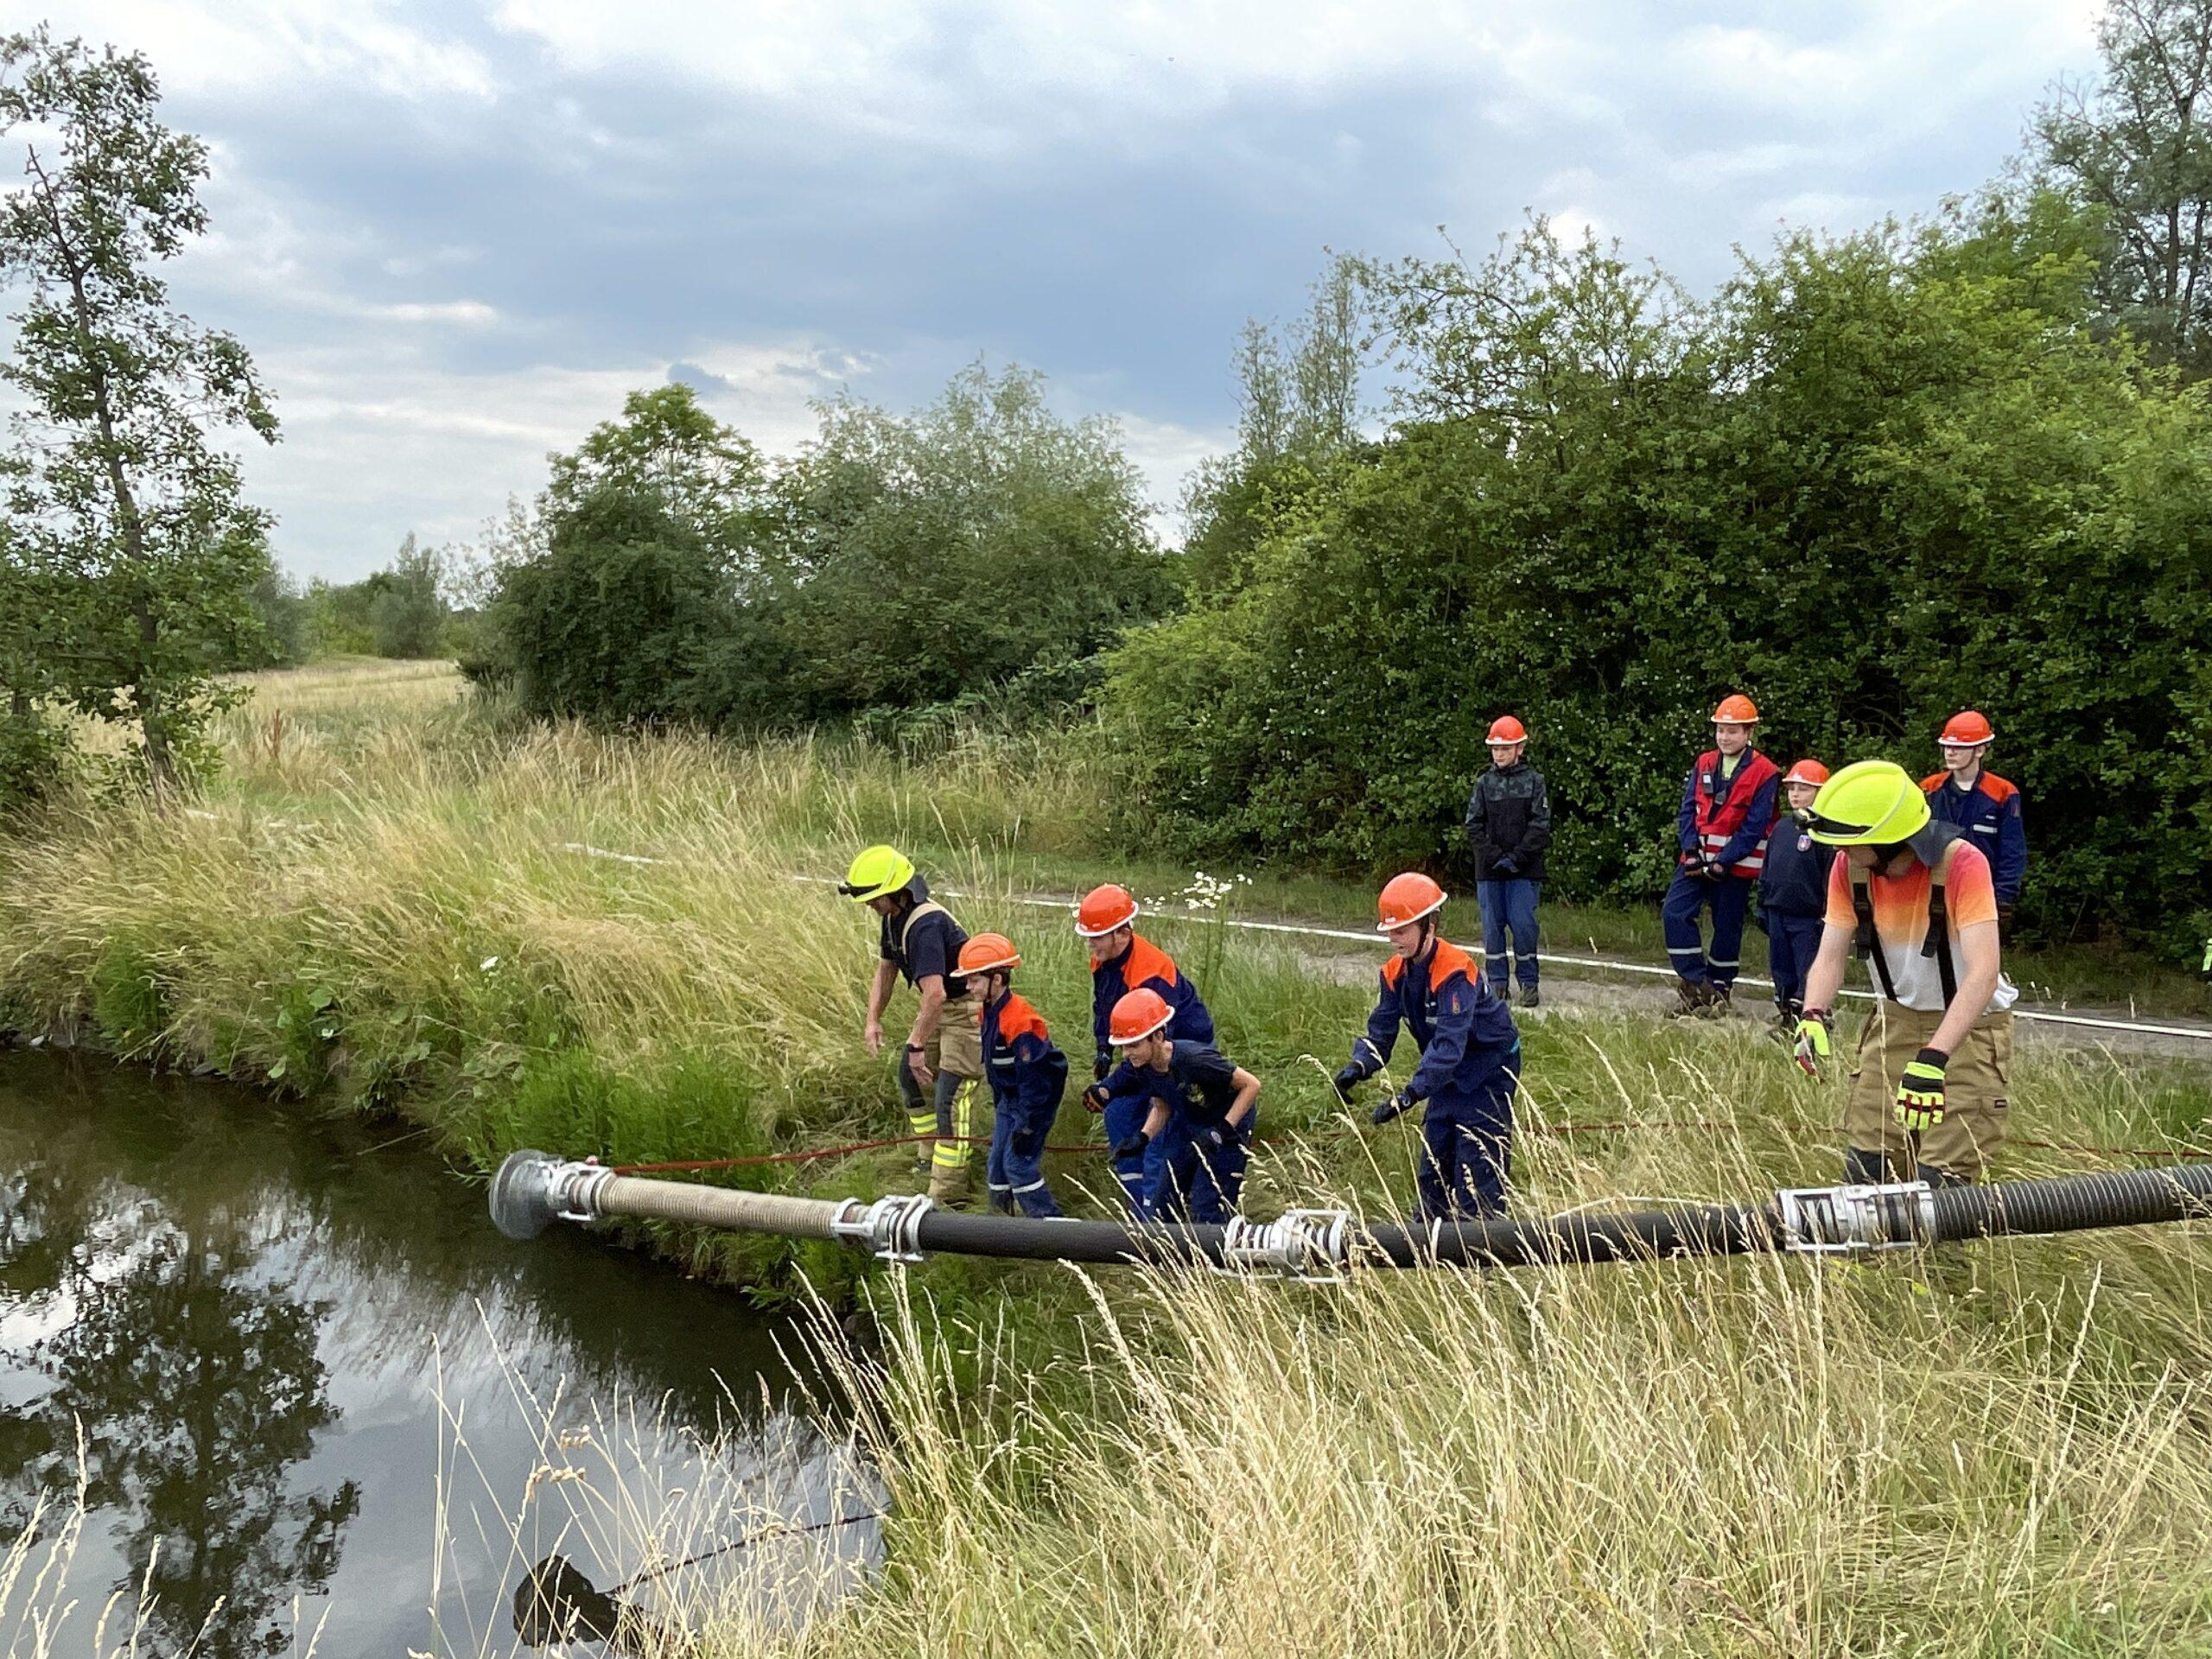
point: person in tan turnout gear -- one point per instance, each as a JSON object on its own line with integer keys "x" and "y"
{"x": 921, "y": 943}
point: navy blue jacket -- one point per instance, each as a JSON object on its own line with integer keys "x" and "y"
{"x": 1796, "y": 879}
{"x": 931, "y": 942}
{"x": 1144, "y": 964}
{"x": 1199, "y": 1085}
{"x": 1990, "y": 814}
{"x": 1028, "y": 1075}
{"x": 1464, "y": 1028}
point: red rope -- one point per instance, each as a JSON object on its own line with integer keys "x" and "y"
{"x": 690, "y": 1166}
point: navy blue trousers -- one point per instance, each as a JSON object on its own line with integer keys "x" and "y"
{"x": 1191, "y": 1180}
{"x": 1467, "y": 1142}
{"x": 1016, "y": 1174}
{"x": 1509, "y": 906}
{"x": 1695, "y": 960}
{"x": 1792, "y": 942}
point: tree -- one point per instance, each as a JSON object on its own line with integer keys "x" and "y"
{"x": 113, "y": 487}
{"x": 665, "y": 447}
{"x": 409, "y": 617}
{"x": 2137, "y": 146}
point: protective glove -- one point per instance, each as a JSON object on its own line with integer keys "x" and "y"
{"x": 1348, "y": 1080}
{"x": 1506, "y": 866}
{"x": 1221, "y": 1134}
{"x": 1709, "y": 867}
{"x": 1024, "y": 1143}
{"x": 1401, "y": 1102}
{"x": 1095, "y": 1098}
{"x": 1815, "y": 1040}
{"x": 1102, "y": 1065}
{"x": 1133, "y": 1147}
{"x": 1920, "y": 1091}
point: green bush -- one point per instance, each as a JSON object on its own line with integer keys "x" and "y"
{"x": 1878, "y": 480}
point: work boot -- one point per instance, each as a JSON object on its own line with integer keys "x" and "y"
{"x": 1690, "y": 998}
{"x": 1529, "y": 997}
{"x": 1718, "y": 1003}
{"x": 948, "y": 1185}
{"x": 1786, "y": 1016}
{"x": 1001, "y": 1201}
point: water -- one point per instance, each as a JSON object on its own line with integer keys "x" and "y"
{"x": 337, "y": 1411}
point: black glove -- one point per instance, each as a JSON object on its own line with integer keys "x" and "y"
{"x": 1220, "y": 1135}
{"x": 1025, "y": 1143}
{"x": 1102, "y": 1065}
{"x": 1095, "y": 1098}
{"x": 1348, "y": 1080}
{"x": 1506, "y": 866}
{"x": 1401, "y": 1102}
{"x": 1132, "y": 1147}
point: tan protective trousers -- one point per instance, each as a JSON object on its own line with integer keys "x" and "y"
{"x": 1976, "y": 1086}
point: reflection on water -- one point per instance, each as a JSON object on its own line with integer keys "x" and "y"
{"x": 306, "y": 1385}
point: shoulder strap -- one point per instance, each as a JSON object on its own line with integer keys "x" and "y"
{"x": 927, "y": 908}
{"x": 1867, "y": 941}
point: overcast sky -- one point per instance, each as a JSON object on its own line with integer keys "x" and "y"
{"x": 454, "y": 235}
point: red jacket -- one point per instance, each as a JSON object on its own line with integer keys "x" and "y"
{"x": 1728, "y": 819}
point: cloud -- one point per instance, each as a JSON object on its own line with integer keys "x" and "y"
{"x": 281, "y": 49}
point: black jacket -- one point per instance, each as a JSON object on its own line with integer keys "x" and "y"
{"x": 1509, "y": 812}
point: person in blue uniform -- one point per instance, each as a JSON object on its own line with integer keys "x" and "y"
{"x": 1199, "y": 1111}
{"x": 1470, "y": 1056}
{"x": 1794, "y": 895}
{"x": 1027, "y": 1077}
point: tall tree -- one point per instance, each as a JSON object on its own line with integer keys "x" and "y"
{"x": 2137, "y": 145}
{"x": 113, "y": 486}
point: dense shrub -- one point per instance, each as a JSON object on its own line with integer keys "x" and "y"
{"x": 1875, "y": 480}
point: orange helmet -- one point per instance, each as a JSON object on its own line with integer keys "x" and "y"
{"x": 1407, "y": 898}
{"x": 1736, "y": 710}
{"x": 1968, "y": 726}
{"x": 1103, "y": 909}
{"x": 1506, "y": 729}
{"x": 1807, "y": 771}
{"x": 1138, "y": 1014}
{"x": 988, "y": 950}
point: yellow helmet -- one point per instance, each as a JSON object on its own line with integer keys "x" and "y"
{"x": 1869, "y": 804}
{"x": 877, "y": 873}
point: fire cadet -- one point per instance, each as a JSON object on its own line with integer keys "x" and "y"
{"x": 1027, "y": 1076}
{"x": 1927, "y": 1092}
{"x": 1981, "y": 803}
{"x": 1727, "y": 809}
{"x": 1794, "y": 895}
{"x": 1199, "y": 1109}
{"x": 921, "y": 942}
{"x": 1469, "y": 1055}
{"x": 1122, "y": 961}
{"x": 1509, "y": 826}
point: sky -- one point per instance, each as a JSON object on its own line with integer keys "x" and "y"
{"x": 455, "y": 236}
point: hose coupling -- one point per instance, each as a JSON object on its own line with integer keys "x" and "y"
{"x": 1311, "y": 1246}
{"x": 532, "y": 1190}
{"x": 1855, "y": 1220}
{"x": 890, "y": 1228}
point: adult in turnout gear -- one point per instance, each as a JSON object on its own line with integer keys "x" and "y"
{"x": 1794, "y": 894}
{"x": 1727, "y": 809}
{"x": 1509, "y": 826}
{"x": 1469, "y": 1055}
{"x": 1199, "y": 1111}
{"x": 1121, "y": 960}
{"x": 942, "y": 1059}
{"x": 1927, "y": 1091}
{"x": 1983, "y": 804}
{"x": 1027, "y": 1074}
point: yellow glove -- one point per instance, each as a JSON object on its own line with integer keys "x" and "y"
{"x": 1815, "y": 1040}
{"x": 1920, "y": 1091}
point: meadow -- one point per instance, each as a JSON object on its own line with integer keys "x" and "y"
{"x": 387, "y": 903}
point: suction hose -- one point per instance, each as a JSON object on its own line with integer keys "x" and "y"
{"x": 532, "y": 1190}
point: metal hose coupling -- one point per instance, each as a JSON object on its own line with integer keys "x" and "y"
{"x": 1311, "y": 1246}
{"x": 532, "y": 1190}
{"x": 891, "y": 1228}
{"x": 1854, "y": 1220}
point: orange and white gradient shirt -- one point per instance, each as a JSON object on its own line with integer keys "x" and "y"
{"x": 1901, "y": 921}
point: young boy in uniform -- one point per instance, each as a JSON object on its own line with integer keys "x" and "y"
{"x": 1027, "y": 1077}
{"x": 1200, "y": 1110}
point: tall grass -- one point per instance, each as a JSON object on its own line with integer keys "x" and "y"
{"x": 1996, "y": 1450}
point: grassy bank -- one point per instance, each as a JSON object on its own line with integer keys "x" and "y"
{"x": 2006, "y": 1449}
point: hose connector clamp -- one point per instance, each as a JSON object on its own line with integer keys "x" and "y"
{"x": 890, "y": 1228}
{"x": 1855, "y": 1220}
{"x": 1310, "y": 1246}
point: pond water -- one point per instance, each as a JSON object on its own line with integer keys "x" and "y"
{"x": 314, "y": 1401}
